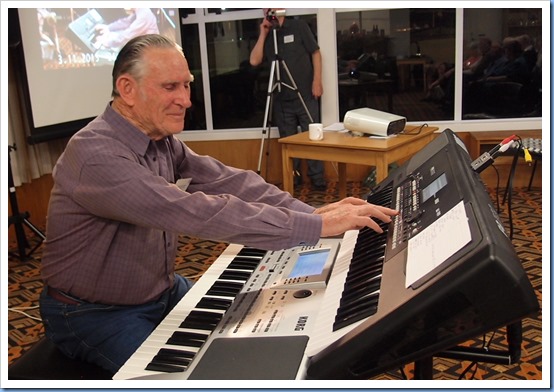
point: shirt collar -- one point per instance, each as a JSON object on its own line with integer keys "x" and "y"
{"x": 126, "y": 132}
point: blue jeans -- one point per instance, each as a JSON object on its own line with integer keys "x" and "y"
{"x": 106, "y": 335}
{"x": 287, "y": 116}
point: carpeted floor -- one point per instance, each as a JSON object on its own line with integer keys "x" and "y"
{"x": 196, "y": 255}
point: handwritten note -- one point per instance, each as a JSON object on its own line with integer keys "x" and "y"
{"x": 435, "y": 244}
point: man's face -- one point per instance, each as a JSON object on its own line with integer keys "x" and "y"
{"x": 163, "y": 93}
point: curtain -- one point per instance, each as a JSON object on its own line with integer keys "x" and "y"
{"x": 28, "y": 161}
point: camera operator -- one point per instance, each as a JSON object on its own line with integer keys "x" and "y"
{"x": 299, "y": 50}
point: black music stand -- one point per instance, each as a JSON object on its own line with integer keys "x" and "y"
{"x": 19, "y": 219}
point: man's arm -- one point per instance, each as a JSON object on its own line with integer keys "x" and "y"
{"x": 317, "y": 85}
{"x": 257, "y": 53}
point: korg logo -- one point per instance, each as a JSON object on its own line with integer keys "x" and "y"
{"x": 301, "y": 323}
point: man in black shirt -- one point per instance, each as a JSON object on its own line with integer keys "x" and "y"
{"x": 299, "y": 50}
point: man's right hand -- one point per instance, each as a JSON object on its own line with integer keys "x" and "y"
{"x": 265, "y": 26}
{"x": 352, "y": 214}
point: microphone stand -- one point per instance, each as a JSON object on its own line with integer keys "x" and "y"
{"x": 19, "y": 219}
{"x": 275, "y": 72}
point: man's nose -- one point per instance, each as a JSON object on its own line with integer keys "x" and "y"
{"x": 183, "y": 98}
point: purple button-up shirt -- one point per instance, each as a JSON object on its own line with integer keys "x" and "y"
{"x": 116, "y": 211}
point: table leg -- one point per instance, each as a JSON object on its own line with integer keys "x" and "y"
{"x": 342, "y": 180}
{"x": 382, "y": 170}
{"x": 288, "y": 172}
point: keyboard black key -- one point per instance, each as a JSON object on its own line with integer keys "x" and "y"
{"x": 214, "y": 303}
{"x": 181, "y": 338}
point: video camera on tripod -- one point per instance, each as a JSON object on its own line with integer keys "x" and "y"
{"x": 275, "y": 82}
{"x": 272, "y": 15}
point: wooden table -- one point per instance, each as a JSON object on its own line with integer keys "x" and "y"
{"x": 405, "y": 77}
{"x": 343, "y": 148}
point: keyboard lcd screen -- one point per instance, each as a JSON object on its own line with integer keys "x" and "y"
{"x": 433, "y": 188}
{"x": 310, "y": 263}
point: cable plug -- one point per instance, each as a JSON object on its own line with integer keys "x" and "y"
{"x": 498, "y": 148}
{"x": 481, "y": 163}
{"x": 505, "y": 146}
{"x": 527, "y": 155}
{"x": 508, "y": 139}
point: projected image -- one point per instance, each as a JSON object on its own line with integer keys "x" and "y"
{"x": 89, "y": 37}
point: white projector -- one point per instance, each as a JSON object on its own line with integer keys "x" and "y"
{"x": 373, "y": 122}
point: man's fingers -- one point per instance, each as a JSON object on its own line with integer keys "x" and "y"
{"x": 383, "y": 215}
{"x": 368, "y": 222}
{"x": 352, "y": 200}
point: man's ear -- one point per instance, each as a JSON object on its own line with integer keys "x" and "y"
{"x": 127, "y": 87}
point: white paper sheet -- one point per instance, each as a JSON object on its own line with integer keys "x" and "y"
{"x": 336, "y": 127}
{"x": 435, "y": 244}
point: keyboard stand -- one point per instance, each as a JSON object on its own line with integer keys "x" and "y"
{"x": 423, "y": 368}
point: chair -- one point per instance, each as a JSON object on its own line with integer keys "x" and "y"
{"x": 44, "y": 361}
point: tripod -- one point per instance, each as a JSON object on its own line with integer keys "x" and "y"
{"x": 272, "y": 85}
{"x": 18, "y": 219}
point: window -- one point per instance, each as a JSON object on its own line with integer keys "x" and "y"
{"x": 404, "y": 61}
{"x": 238, "y": 91}
{"x": 399, "y": 61}
{"x": 236, "y": 88}
{"x": 195, "y": 118}
{"x": 505, "y": 79}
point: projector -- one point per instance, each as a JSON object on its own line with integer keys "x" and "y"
{"x": 373, "y": 122}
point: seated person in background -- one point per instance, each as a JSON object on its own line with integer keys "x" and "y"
{"x": 496, "y": 61}
{"x": 441, "y": 78}
{"x": 531, "y": 92}
{"x": 492, "y": 56}
{"x": 120, "y": 200}
{"x": 441, "y": 88}
{"x": 473, "y": 55}
{"x": 530, "y": 53}
{"x": 510, "y": 67}
{"x": 488, "y": 52}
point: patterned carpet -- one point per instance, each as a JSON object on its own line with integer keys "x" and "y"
{"x": 196, "y": 255}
